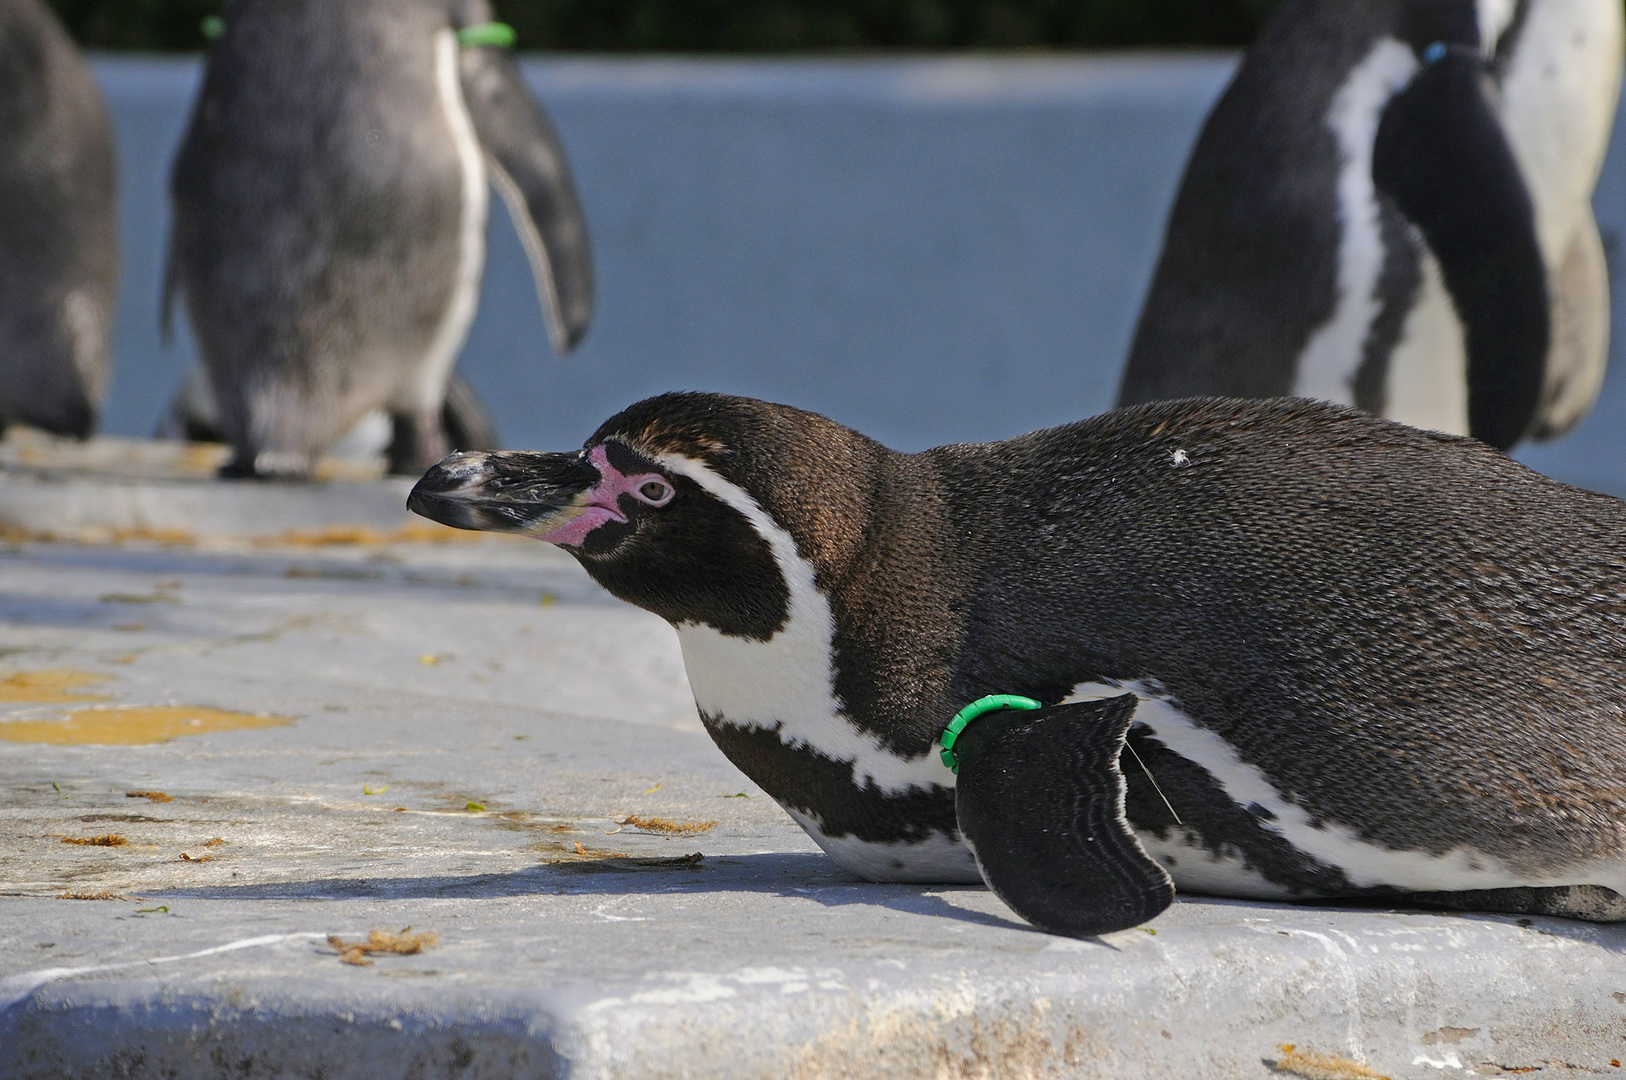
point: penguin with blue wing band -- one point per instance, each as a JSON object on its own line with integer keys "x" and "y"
{"x": 328, "y": 237}
{"x": 1390, "y": 207}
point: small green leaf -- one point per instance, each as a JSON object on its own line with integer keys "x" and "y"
{"x": 474, "y": 805}
{"x": 152, "y": 910}
{"x": 737, "y": 795}
{"x": 368, "y": 789}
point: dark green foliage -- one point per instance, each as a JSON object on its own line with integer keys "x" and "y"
{"x": 790, "y": 25}
{"x": 761, "y": 25}
{"x": 136, "y": 24}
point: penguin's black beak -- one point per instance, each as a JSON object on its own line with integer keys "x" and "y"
{"x": 505, "y": 491}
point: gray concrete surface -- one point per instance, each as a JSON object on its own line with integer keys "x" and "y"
{"x": 353, "y": 732}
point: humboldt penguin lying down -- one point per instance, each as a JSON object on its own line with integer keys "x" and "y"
{"x": 1340, "y": 657}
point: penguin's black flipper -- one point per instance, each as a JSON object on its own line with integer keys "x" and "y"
{"x": 531, "y": 174}
{"x": 1040, "y": 800}
{"x": 1441, "y": 154}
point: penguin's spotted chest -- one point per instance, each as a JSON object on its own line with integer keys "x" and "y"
{"x": 1277, "y": 649}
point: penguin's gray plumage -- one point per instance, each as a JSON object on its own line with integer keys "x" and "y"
{"x": 1365, "y": 659}
{"x": 330, "y": 203}
{"x": 58, "y": 227}
{"x": 1389, "y": 207}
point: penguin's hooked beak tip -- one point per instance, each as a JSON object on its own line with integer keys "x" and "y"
{"x": 440, "y": 494}
{"x": 503, "y": 491}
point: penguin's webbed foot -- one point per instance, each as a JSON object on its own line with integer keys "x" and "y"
{"x": 419, "y": 442}
{"x": 1040, "y": 800}
{"x": 266, "y": 465}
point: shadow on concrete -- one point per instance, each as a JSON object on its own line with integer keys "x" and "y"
{"x": 804, "y": 875}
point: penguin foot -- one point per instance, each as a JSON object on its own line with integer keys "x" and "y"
{"x": 419, "y": 442}
{"x": 267, "y": 465}
{"x": 1040, "y": 800}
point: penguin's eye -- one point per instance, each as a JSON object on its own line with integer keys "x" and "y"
{"x": 656, "y": 492}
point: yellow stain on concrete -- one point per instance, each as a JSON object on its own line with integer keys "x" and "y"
{"x": 51, "y": 686}
{"x": 134, "y": 725}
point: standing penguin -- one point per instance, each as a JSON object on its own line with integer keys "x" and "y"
{"x": 1390, "y": 207}
{"x": 330, "y": 203}
{"x": 1355, "y": 658}
{"x": 59, "y": 259}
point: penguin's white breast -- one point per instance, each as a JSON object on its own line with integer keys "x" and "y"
{"x": 1326, "y": 368}
{"x": 786, "y": 685}
{"x": 1558, "y": 105}
{"x": 787, "y": 682}
{"x": 426, "y": 386}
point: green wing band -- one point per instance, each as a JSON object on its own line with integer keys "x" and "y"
{"x": 495, "y": 34}
{"x": 983, "y": 705}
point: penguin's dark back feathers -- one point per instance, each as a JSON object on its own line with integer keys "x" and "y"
{"x": 1344, "y": 600}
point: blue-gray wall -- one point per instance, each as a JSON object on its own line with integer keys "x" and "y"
{"x": 928, "y": 250}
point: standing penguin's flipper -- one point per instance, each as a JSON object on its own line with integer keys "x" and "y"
{"x": 1580, "y": 352}
{"x": 1041, "y": 802}
{"x": 1441, "y": 154}
{"x": 529, "y": 170}
{"x": 468, "y": 425}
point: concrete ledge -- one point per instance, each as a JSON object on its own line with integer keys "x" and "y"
{"x": 823, "y": 979}
{"x": 109, "y": 489}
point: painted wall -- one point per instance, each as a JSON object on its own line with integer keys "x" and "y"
{"x": 928, "y": 250}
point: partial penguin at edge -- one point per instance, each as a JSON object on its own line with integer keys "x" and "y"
{"x": 59, "y": 248}
{"x": 1390, "y": 207}
{"x": 330, "y": 204}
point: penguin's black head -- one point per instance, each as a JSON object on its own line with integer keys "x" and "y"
{"x": 684, "y": 504}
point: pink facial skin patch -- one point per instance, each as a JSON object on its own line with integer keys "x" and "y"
{"x": 602, "y": 502}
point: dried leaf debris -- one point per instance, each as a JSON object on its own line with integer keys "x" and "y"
{"x": 666, "y": 826}
{"x": 1314, "y": 1066}
{"x": 383, "y": 942}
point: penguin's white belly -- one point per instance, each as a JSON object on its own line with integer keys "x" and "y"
{"x": 425, "y": 385}
{"x": 1195, "y": 868}
{"x": 939, "y": 858}
{"x": 1365, "y": 865}
{"x": 1427, "y": 384}
{"x": 769, "y": 686}
{"x": 1558, "y": 105}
